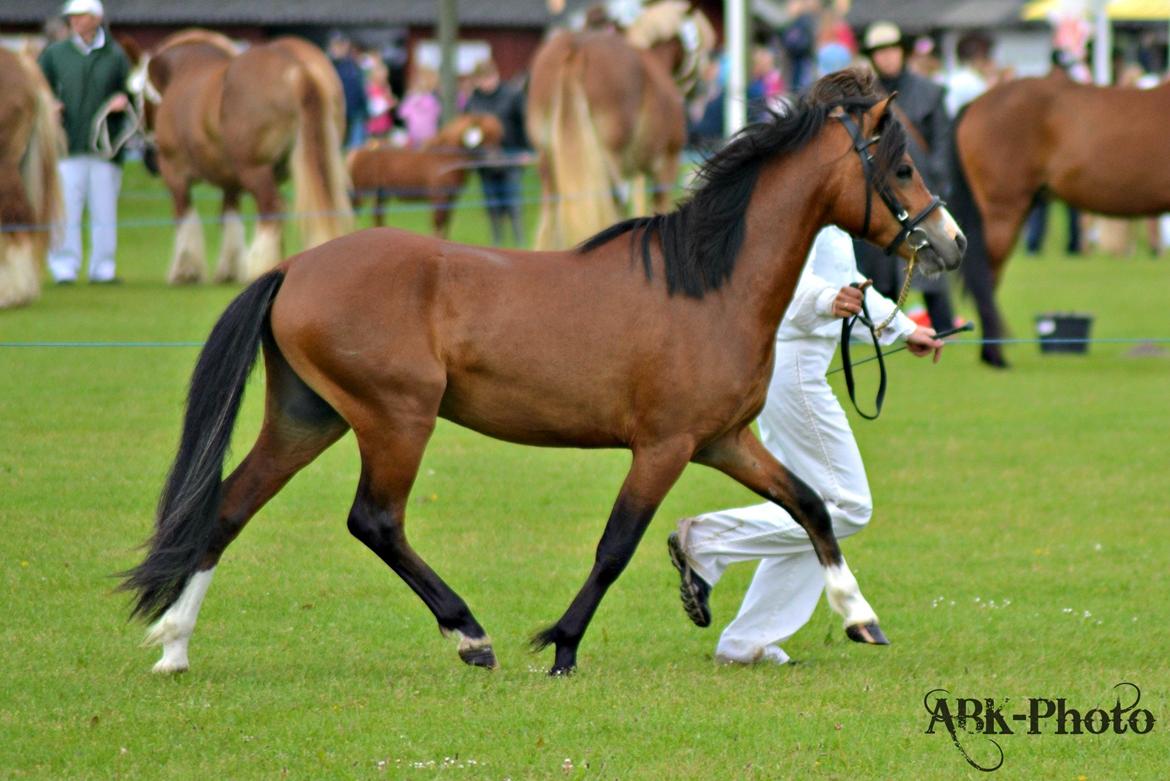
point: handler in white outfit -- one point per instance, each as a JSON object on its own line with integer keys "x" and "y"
{"x": 804, "y": 426}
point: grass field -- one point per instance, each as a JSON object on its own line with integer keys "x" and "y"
{"x": 1019, "y": 549}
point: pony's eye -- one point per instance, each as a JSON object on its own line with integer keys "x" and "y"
{"x": 904, "y": 171}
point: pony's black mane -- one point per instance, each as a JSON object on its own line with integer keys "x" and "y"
{"x": 702, "y": 237}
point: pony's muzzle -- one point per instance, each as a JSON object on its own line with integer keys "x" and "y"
{"x": 943, "y": 244}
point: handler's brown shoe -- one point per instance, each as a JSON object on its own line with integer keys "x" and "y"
{"x": 693, "y": 590}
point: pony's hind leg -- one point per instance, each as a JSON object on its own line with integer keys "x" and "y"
{"x": 742, "y": 457}
{"x": 298, "y": 426}
{"x": 267, "y": 248}
{"x": 390, "y": 459}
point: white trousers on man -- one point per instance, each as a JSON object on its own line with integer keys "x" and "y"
{"x": 804, "y": 426}
{"x": 87, "y": 181}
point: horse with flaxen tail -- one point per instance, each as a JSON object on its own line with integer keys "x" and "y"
{"x": 604, "y": 108}
{"x": 215, "y": 117}
{"x": 384, "y": 331}
{"x": 1101, "y": 149}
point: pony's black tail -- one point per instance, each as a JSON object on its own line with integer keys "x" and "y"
{"x": 190, "y": 500}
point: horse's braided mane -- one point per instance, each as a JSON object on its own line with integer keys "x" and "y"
{"x": 701, "y": 239}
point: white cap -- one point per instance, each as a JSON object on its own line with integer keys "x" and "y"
{"x": 77, "y": 7}
{"x": 881, "y": 35}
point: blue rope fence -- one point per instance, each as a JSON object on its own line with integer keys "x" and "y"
{"x": 160, "y": 344}
{"x": 528, "y": 197}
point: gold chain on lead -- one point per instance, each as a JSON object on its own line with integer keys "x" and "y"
{"x": 901, "y": 294}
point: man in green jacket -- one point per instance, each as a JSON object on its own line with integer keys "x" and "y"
{"x": 87, "y": 73}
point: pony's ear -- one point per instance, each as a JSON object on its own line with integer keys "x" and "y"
{"x": 873, "y": 117}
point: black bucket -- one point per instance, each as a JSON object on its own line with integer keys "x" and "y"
{"x": 1063, "y": 332}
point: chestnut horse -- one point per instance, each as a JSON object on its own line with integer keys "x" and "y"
{"x": 1101, "y": 149}
{"x": 242, "y": 122}
{"x": 434, "y": 172}
{"x": 656, "y": 335}
{"x": 30, "y": 198}
{"x": 603, "y": 108}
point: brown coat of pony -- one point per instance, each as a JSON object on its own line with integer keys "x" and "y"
{"x": 657, "y": 335}
{"x": 434, "y": 172}
{"x": 30, "y": 197}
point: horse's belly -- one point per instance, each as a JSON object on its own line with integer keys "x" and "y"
{"x": 532, "y": 413}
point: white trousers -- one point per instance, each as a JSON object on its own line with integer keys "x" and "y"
{"x": 87, "y": 181}
{"x": 803, "y": 425}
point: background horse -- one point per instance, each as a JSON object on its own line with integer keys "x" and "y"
{"x": 383, "y": 331}
{"x": 603, "y": 108}
{"x": 30, "y": 198}
{"x": 243, "y": 122}
{"x": 1101, "y": 149}
{"x": 435, "y": 172}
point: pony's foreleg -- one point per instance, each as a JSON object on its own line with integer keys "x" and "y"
{"x": 390, "y": 459}
{"x": 441, "y": 215}
{"x": 233, "y": 242}
{"x": 654, "y": 470}
{"x": 188, "y": 261}
{"x": 744, "y": 458}
{"x": 298, "y": 426}
{"x": 380, "y": 200}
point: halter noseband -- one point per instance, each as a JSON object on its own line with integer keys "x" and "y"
{"x": 909, "y": 224}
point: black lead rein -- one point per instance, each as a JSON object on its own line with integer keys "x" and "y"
{"x": 847, "y": 363}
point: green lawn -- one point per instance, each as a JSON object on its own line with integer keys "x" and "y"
{"x": 1019, "y": 549}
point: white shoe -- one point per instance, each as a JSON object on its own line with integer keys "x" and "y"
{"x": 769, "y": 654}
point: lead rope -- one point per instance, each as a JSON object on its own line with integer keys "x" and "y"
{"x": 847, "y": 363}
{"x": 874, "y": 332}
{"x": 101, "y": 142}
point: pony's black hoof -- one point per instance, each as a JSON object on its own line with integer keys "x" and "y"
{"x": 870, "y": 634}
{"x": 562, "y": 672}
{"x": 994, "y": 359}
{"x": 480, "y": 657}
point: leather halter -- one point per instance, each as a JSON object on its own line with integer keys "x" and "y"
{"x": 910, "y": 230}
{"x": 909, "y": 224}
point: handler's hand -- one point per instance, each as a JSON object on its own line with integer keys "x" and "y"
{"x": 923, "y": 342}
{"x": 119, "y": 102}
{"x": 849, "y": 298}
